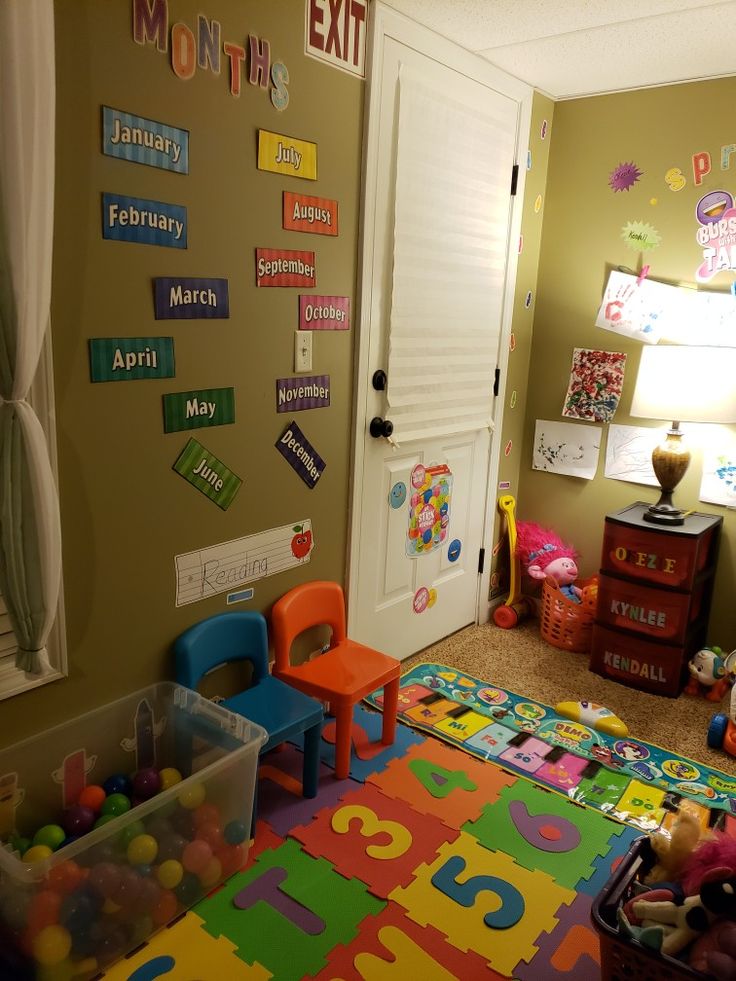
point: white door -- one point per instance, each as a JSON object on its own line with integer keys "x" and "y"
{"x": 440, "y": 241}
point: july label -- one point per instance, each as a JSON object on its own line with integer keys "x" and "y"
{"x": 208, "y": 474}
{"x": 285, "y": 155}
{"x": 324, "y": 312}
{"x": 144, "y": 141}
{"x": 302, "y": 393}
{"x": 145, "y": 222}
{"x": 191, "y": 299}
{"x": 284, "y": 267}
{"x": 130, "y": 358}
{"x": 301, "y": 455}
{"x": 303, "y": 213}
{"x": 204, "y": 407}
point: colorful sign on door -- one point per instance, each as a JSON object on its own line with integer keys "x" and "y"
{"x": 299, "y": 453}
{"x": 208, "y": 474}
{"x": 203, "y": 407}
{"x": 144, "y": 222}
{"x": 185, "y": 298}
{"x": 144, "y": 141}
{"x": 285, "y": 155}
{"x": 284, "y": 267}
{"x": 130, "y": 358}
{"x": 312, "y": 392}
{"x": 324, "y": 312}
{"x": 303, "y": 213}
{"x": 429, "y": 512}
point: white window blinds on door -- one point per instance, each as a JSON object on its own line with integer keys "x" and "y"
{"x": 452, "y": 211}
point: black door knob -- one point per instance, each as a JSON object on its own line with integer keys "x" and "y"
{"x": 379, "y": 380}
{"x": 381, "y": 427}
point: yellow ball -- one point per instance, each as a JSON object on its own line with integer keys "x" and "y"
{"x": 211, "y": 873}
{"x": 192, "y": 797}
{"x": 170, "y": 873}
{"x": 52, "y": 945}
{"x": 169, "y": 777}
{"x": 142, "y": 850}
{"x": 37, "y": 853}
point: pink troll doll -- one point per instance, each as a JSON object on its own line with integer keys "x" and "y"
{"x": 542, "y": 553}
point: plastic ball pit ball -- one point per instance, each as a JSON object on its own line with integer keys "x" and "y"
{"x": 52, "y": 945}
{"x": 92, "y": 797}
{"x": 169, "y": 777}
{"x": 146, "y": 783}
{"x": 142, "y": 850}
{"x": 130, "y": 832}
{"x": 37, "y": 853}
{"x": 50, "y": 835}
{"x": 192, "y": 797}
{"x": 78, "y": 820}
{"x": 118, "y": 783}
{"x": 196, "y": 856}
{"x": 170, "y": 873}
{"x": 115, "y": 804}
{"x": 235, "y": 832}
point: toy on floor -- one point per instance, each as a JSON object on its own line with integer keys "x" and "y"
{"x": 508, "y": 614}
{"x": 711, "y": 673}
{"x": 673, "y": 849}
{"x": 722, "y": 729}
{"x": 543, "y": 554}
{"x": 715, "y": 951}
{"x": 594, "y": 715}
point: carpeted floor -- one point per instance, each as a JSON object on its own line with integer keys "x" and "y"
{"x": 519, "y": 660}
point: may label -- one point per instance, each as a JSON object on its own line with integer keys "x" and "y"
{"x": 284, "y": 267}
{"x": 191, "y": 299}
{"x": 130, "y": 358}
{"x": 303, "y": 213}
{"x": 286, "y": 155}
{"x": 296, "y": 449}
{"x": 127, "y": 219}
{"x": 324, "y": 312}
{"x": 144, "y": 141}
{"x": 208, "y": 474}
{"x": 204, "y": 407}
{"x": 302, "y": 393}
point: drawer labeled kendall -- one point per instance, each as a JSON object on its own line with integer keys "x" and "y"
{"x": 647, "y": 610}
{"x": 650, "y": 556}
{"x": 639, "y": 663}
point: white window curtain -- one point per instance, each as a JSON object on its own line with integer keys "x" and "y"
{"x": 450, "y": 245}
{"x": 30, "y": 538}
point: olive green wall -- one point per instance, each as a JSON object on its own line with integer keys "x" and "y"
{"x": 125, "y": 512}
{"x": 657, "y": 129}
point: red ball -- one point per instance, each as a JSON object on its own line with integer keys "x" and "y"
{"x": 197, "y": 856}
{"x": 232, "y": 858}
{"x": 212, "y": 834}
{"x": 92, "y": 797}
{"x": 207, "y": 814}
{"x": 65, "y": 877}
{"x": 165, "y": 909}
{"x": 43, "y": 910}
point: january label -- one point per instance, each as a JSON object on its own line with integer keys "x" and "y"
{"x": 144, "y": 141}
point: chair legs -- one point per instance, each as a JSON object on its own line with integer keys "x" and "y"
{"x": 343, "y": 740}
{"x": 390, "y": 708}
{"x": 310, "y": 775}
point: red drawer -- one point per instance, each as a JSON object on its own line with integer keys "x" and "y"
{"x": 638, "y": 663}
{"x": 650, "y": 556}
{"x": 659, "y": 613}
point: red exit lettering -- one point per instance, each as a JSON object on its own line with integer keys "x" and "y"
{"x": 336, "y": 32}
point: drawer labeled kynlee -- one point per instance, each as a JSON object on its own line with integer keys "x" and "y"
{"x": 639, "y": 663}
{"x": 659, "y": 613}
{"x": 651, "y": 556}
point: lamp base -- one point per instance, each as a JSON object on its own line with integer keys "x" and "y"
{"x": 664, "y": 516}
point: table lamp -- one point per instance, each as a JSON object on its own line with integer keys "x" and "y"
{"x": 682, "y": 384}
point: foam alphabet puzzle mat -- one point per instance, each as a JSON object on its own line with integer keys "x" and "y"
{"x": 633, "y": 781}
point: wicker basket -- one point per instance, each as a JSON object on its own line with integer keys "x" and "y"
{"x": 565, "y": 623}
{"x": 624, "y": 959}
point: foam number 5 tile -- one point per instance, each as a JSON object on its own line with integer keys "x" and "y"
{"x": 375, "y": 838}
{"x": 484, "y": 902}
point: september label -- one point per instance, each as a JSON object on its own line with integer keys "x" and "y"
{"x": 178, "y": 298}
{"x": 130, "y": 358}
{"x": 144, "y": 141}
{"x": 144, "y": 222}
{"x": 284, "y": 267}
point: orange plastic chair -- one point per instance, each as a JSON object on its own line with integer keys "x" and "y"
{"x": 341, "y": 675}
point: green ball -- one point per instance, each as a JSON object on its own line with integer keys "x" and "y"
{"x": 50, "y": 835}
{"x": 115, "y": 804}
{"x": 132, "y": 831}
{"x": 104, "y": 819}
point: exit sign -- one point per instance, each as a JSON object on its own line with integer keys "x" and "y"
{"x": 335, "y": 32}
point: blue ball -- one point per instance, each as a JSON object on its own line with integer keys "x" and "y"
{"x": 78, "y": 912}
{"x": 235, "y": 832}
{"x": 118, "y": 783}
{"x": 189, "y": 889}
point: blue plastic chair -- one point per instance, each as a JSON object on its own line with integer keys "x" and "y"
{"x": 281, "y": 709}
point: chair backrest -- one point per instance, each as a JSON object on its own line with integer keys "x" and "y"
{"x": 218, "y": 640}
{"x": 309, "y": 605}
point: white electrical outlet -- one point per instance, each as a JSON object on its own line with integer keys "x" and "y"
{"x": 302, "y": 350}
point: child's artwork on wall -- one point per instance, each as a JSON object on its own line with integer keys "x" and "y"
{"x": 596, "y": 380}
{"x": 629, "y": 454}
{"x": 638, "y": 309}
{"x": 706, "y": 318}
{"x": 227, "y": 566}
{"x": 718, "y": 483}
{"x": 566, "y": 448}
{"x": 429, "y": 512}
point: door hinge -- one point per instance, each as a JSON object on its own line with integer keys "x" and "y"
{"x": 496, "y": 380}
{"x": 481, "y": 561}
{"x": 514, "y": 178}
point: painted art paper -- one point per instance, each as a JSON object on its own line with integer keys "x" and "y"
{"x": 596, "y": 380}
{"x": 629, "y": 454}
{"x": 718, "y": 483}
{"x": 566, "y": 448}
{"x": 642, "y": 310}
{"x": 429, "y": 512}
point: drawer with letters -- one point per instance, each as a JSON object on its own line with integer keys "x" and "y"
{"x": 660, "y": 613}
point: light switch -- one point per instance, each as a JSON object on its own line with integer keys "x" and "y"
{"x": 303, "y": 350}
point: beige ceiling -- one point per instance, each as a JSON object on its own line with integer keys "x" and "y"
{"x": 571, "y": 48}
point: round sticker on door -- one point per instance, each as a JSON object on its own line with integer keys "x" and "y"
{"x": 454, "y": 549}
{"x": 398, "y": 494}
{"x": 418, "y": 476}
{"x": 421, "y": 599}
{"x": 432, "y": 597}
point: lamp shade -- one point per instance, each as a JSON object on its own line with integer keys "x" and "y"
{"x": 687, "y": 384}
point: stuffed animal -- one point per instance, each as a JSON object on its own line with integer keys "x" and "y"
{"x": 715, "y": 952}
{"x": 674, "y": 849}
{"x": 718, "y": 852}
{"x": 542, "y": 553}
{"x": 708, "y": 674}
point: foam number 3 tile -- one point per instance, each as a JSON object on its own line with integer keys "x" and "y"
{"x": 375, "y": 838}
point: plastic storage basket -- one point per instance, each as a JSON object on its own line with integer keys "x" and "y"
{"x": 565, "y": 623}
{"x": 95, "y": 898}
{"x": 624, "y": 959}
